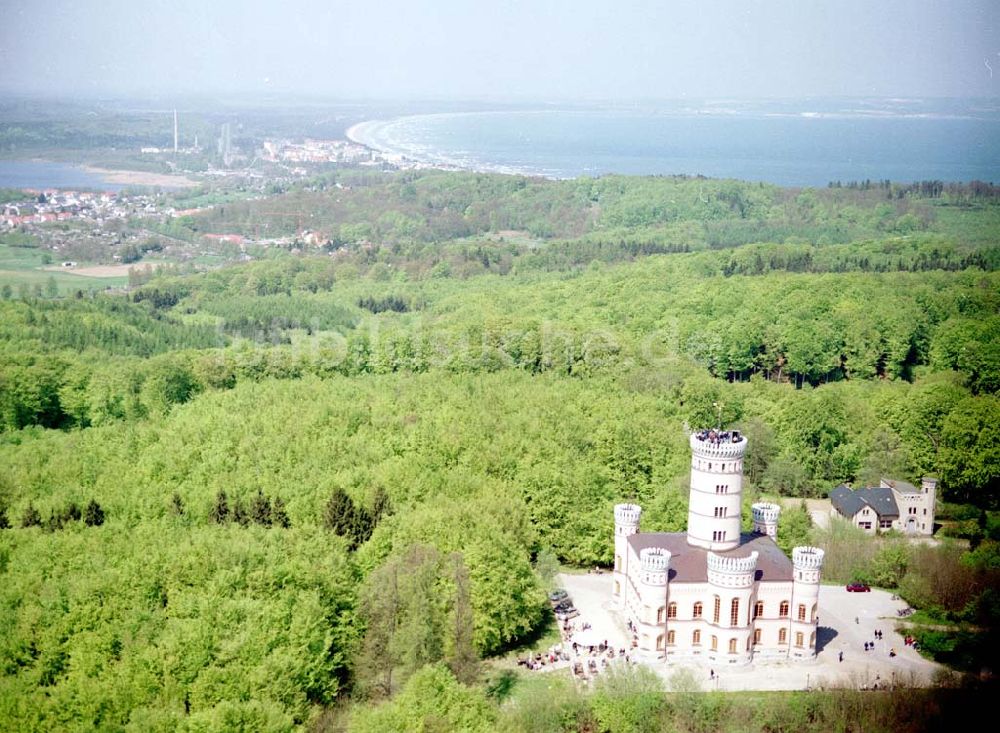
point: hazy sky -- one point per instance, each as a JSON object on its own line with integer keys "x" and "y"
{"x": 540, "y": 49}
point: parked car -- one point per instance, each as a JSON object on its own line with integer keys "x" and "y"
{"x": 558, "y": 595}
{"x": 858, "y": 588}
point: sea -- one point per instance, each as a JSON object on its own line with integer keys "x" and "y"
{"x": 37, "y": 174}
{"x": 788, "y": 142}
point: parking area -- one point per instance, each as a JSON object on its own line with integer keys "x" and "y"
{"x": 846, "y": 620}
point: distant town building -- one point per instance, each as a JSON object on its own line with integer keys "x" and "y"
{"x": 892, "y": 504}
{"x": 713, "y": 593}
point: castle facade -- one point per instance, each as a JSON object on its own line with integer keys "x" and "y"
{"x": 714, "y": 593}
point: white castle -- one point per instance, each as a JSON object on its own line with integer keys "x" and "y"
{"x": 712, "y": 593}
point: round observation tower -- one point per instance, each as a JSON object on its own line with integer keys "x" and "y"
{"x": 716, "y": 489}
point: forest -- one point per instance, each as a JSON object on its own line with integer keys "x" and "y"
{"x": 321, "y": 490}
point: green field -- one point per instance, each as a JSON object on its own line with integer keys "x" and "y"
{"x": 23, "y": 266}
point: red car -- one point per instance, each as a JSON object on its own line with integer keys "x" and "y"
{"x": 858, "y": 588}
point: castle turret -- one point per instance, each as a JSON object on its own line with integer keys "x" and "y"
{"x": 731, "y": 595}
{"x": 626, "y": 524}
{"x": 654, "y": 563}
{"x": 716, "y": 488}
{"x": 765, "y": 518}
{"x": 649, "y": 611}
{"x": 807, "y": 562}
{"x": 928, "y": 505}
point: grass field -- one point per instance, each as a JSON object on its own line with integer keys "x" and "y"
{"x": 23, "y": 266}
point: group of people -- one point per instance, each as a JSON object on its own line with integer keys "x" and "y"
{"x": 715, "y": 437}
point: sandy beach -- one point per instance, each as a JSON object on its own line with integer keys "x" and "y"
{"x": 141, "y": 178}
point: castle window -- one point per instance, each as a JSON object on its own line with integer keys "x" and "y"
{"x": 697, "y": 610}
{"x": 715, "y": 643}
{"x": 798, "y": 638}
{"x": 734, "y": 612}
{"x": 812, "y": 616}
{"x": 696, "y": 637}
{"x": 756, "y": 636}
{"x": 659, "y": 642}
{"x": 618, "y": 589}
{"x": 783, "y": 609}
{"x": 812, "y": 639}
{"x": 758, "y": 609}
{"x": 618, "y": 562}
{"x": 709, "y": 466}
{"x": 802, "y": 612}
{"x": 659, "y": 615}
{"x": 671, "y": 638}
{"x": 925, "y": 512}
{"x": 732, "y": 646}
{"x": 718, "y": 608}
{"x": 782, "y": 636}
{"x": 672, "y": 610}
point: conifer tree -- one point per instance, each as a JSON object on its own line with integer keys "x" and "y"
{"x": 240, "y": 514}
{"x": 31, "y": 517}
{"x": 220, "y": 511}
{"x": 93, "y": 516}
{"x": 279, "y": 515}
{"x": 72, "y": 512}
{"x": 260, "y": 509}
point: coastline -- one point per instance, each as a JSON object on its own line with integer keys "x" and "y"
{"x": 438, "y": 160}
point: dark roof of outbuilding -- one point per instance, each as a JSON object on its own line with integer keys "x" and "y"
{"x": 689, "y": 564}
{"x": 849, "y": 502}
{"x": 845, "y": 501}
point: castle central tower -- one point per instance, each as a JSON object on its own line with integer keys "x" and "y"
{"x": 716, "y": 489}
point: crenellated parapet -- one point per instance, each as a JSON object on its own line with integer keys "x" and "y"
{"x": 628, "y": 515}
{"x": 703, "y": 445}
{"x": 654, "y": 563}
{"x": 807, "y": 563}
{"x": 732, "y": 572}
{"x": 807, "y": 558}
{"x": 765, "y": 518}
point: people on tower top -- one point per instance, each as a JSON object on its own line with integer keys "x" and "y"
{"x": 716, "y": 437}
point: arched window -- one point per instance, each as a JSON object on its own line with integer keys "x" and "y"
{"x": 782, "y": 636}
{"x": 798, "y": 638}
{"x": 671, "y": 638}
{"x": 659, "y": 642}
{"x": 659, "y": 615}
{"x": 756, "y": 636}
{"x": 783, "y": 609}
{"x": 732, "y": 646}
{"x": 709, "y": 466}
{"x": 672, "y": 610}
{"x": 813, "y": 616}
{"x": 718, "y": 608}
{"x": 618, "y": 562}
{"x": 618, "y": 589}
{"x": 715, "y": 643}
{"x": 758, "y": 609}
{"x": 696, "y": 637}
{"x": 697, "y": 610}
{"x": 812, "y": 639}
{"x": 802, "y": 612}
{"x": 734, "y": 612}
